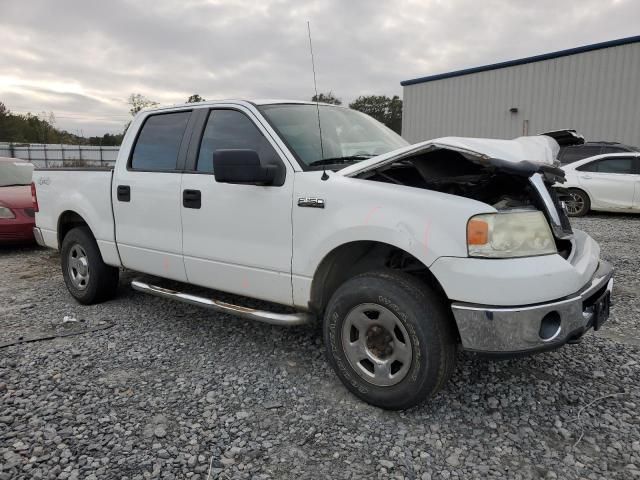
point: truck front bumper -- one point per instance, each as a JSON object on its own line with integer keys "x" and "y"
{"x": 542, "y": 326}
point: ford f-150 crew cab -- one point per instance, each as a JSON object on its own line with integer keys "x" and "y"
{"x": 404, "y": 252}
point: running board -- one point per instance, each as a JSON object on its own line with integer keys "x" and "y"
{"x": 284, "y": 319}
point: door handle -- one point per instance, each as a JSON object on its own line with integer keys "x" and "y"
{"x": 191, "y": 199}
{"x": 124, "y": 193}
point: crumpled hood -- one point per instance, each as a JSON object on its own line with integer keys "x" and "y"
{"x": 522, "y": 153}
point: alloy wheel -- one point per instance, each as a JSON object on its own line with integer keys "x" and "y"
{"x": 575, "y": 204}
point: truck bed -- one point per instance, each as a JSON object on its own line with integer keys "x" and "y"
{"x": 86, "y": 191}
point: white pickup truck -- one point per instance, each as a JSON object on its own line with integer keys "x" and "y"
{"x": 404, "y": 252}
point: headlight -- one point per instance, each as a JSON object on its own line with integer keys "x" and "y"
{"x": 6, "y": 213}
{"x": 506, "y": 235}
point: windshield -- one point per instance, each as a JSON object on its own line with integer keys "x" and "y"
{"x": 15, "y": 172}
{"x": 347, "y": 135}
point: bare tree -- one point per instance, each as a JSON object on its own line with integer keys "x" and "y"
{"x": 138, "y": 102}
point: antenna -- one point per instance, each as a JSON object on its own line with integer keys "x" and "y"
{"x": 315, "y": 87}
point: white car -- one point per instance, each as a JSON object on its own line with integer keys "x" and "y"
{"x": 608, "y": 183}
{"x": 402, "y": 252}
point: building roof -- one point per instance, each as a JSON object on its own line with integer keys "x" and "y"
{"x": 523, "y": 61}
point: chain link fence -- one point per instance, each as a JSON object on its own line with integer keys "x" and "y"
{"x": 46, "y": 155}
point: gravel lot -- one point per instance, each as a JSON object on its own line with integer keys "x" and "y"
{"x": 173, "y": 391}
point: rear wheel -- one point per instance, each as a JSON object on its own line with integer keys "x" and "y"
{"x": 578, "y": 204}
{"x": 390, "y": 339}
{"x": 87, "y": 277}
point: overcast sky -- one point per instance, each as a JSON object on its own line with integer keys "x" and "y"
{"x": 81, "y": 59}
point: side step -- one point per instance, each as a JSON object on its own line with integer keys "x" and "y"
{"x": 283, "y": 319}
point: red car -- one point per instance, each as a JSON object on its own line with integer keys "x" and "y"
{"x": 18, "y": 206}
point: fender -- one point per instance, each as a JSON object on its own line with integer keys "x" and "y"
{"x": 424, "y": 223}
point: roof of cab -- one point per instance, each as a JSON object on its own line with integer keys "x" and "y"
{"x": 241, "y": 101}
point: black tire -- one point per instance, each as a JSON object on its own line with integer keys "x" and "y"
{"x": 580, "y": 201}
{"x": 424, "y": 316}
{"x": 102, "y": 280}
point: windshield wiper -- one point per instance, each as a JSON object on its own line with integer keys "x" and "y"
{"x": 339, "y": 160}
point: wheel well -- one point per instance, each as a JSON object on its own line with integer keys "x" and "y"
{"x": 585, "y": 193}
{"x": 580, "y": 190}
{"x": 354, "y": 258}
{"x": 67, "y": 221}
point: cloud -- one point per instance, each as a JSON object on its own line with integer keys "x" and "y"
{"x": 82, "y": 59}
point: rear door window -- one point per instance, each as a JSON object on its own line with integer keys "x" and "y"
{"x": 158, "y": 142}
{"x": 616, "y": 165}
{"x": 610, "y": 165}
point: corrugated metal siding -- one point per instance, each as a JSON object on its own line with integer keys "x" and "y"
{"x": 597, "y": 93}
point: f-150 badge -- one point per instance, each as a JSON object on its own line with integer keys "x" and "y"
{"x": 311, "y": 202}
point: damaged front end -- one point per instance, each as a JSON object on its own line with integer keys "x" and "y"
{"x": 532, "y": 299}
{"x": 489, "y": 171}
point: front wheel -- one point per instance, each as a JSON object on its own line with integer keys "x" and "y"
{"x": 578, "y": 204}
{"x": 87, "y": 277}
{"x": 390, "y": 339}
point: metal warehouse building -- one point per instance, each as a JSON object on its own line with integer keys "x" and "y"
{"x": 594, "y": 89}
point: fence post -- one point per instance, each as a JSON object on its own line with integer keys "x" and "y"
{"x": 101, "y": 164}
{"x": 12, "y": 150}
{"x": 46, "y": 162}
{"x": 80, "y": 152}
{"x": 62, "y": 154}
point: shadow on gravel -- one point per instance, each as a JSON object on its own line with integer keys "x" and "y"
{"x": 613, "y": 215}
{"x": 15, "y": 248}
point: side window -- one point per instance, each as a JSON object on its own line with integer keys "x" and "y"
{"x": 616, "y": 165}
{"x": 609, "y": 165}
{"x": 588, "y": 167}
{"x": 159, "y": 141}
{"x": 230, "y": 129}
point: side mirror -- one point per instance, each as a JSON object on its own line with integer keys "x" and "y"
{"x": 242, "y": 166}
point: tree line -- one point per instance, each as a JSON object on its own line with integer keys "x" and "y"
{"x": 387, "y": 110}
{"x": 30, "y": 128}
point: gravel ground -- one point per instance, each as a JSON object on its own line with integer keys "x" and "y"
{"x": 164, "y": 390}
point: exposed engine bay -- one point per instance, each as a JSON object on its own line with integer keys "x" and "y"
{"x": 506, "y": 174}
{"x": 504, "y": 186}
{"x": 451, "y": 172}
